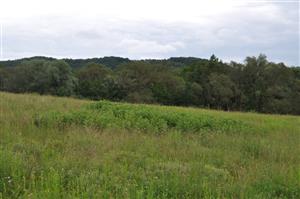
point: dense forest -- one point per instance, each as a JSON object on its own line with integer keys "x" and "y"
{"x": 255, "y": 85}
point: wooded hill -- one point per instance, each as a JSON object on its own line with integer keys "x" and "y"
{"x": 255, "y": 85}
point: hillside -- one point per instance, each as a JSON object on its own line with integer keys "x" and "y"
{"x": 110, "y": 62}
{"x": 54, "y": 147}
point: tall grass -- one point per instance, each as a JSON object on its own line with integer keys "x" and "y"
{"x": 65, "y": 148}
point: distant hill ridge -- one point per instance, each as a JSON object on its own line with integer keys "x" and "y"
{"x": 109, "y": 61}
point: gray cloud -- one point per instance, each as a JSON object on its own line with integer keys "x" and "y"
{"x": 254, "y": 28}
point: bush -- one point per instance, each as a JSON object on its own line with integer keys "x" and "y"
{"x": 155, "y": 119}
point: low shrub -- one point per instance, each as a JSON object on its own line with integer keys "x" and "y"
{"x": 156, "y": 119}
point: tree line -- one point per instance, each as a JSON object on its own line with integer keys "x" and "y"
{"x": 255, "y": 85}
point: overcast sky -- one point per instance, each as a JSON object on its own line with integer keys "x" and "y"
{"x": 231, "y": 29}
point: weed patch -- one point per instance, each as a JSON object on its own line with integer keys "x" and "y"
{"x": 157, "y": 119}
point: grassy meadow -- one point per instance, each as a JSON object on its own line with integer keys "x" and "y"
{"x": 53, "y": 147}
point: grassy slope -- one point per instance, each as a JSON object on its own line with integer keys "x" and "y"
{"x": 81, "y": 161}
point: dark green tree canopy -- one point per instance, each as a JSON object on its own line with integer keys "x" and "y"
{"x": 255, "y": 85}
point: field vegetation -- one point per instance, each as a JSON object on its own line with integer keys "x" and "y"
{"x": 55, "y": 147}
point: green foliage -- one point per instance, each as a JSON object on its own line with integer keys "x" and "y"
{"x": 257, "y": 85}
{"x": 61, "y": 154}
{"x": 96, "y": 82}
{"x": 156, "y": 119}
{"x": 222, "y": 90}
{"x": 40, "y": 76}
{"x": 137, "y": 79}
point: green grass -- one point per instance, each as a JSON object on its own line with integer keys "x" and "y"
{"x": 54, "y": 147}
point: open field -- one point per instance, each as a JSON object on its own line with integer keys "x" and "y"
{"x": 53, "y": 147}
